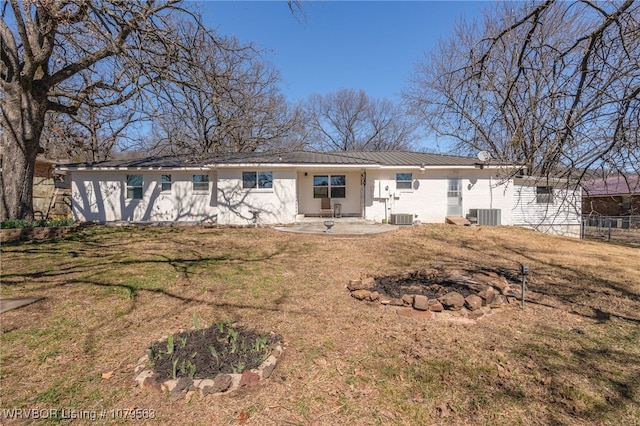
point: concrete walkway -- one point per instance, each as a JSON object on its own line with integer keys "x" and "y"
{"x": 9, "y": 304}
{"x": 342, "y": 226}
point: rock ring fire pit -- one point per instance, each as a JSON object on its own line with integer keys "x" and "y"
{"x": 441, "y": 293}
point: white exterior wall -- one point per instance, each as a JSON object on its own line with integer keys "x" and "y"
{"x": 350, "y": 205}
{"x": 274, "y": 206}
{"x": 427, "y": 200}
{"x": 101, "y": 196}
{"x": 562, "y": 217}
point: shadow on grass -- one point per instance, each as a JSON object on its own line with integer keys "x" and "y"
{"x": 570, "y": 285}
{"x": 114, "y": 257}
{"x": 591, "y": 379}
{"x": 96, "y": 254}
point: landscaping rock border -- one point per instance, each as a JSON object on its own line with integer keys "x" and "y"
{"x": 41, "y": 233}
{"x": 222, "y": 384}
{"x": 487, "y": 291}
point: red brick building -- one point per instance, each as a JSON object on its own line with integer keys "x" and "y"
{"x": 617, "y": 195}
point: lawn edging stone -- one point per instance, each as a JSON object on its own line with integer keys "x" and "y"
{"x": 485, "y": 292}
{"x": 222, "y": 384}
{"x": 11, "y": 235}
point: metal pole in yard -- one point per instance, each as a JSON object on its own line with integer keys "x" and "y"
{"x": 609, "y": 238}
{"x": 524, "y": 270}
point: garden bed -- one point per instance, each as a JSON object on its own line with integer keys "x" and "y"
{"x": 214, "y": 360}
{"x": 39, "y": 233}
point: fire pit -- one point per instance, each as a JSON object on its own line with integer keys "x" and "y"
{"x": 437, "y": 291}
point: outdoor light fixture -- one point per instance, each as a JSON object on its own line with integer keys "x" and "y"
{"x": 422, "y": 167}
{"x": 524, "y": 270}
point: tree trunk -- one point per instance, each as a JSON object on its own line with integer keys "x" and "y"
{"x": 23, "y": 120}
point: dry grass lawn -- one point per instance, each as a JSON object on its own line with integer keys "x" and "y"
{"x": 572, "y": 356}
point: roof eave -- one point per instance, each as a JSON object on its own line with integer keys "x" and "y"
{"x": 117, "y": 169}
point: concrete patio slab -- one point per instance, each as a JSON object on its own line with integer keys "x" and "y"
{"x": 15, "y": 303}
{"x": 339, "y": 227}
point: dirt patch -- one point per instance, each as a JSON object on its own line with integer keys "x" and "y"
{"x": 202, "y": 354}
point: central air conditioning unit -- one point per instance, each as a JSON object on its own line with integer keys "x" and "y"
{"x": 401, "y": 219}
{"x": 488, "y": 217}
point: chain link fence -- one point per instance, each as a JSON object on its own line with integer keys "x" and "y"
{"x": 619, "y": 229}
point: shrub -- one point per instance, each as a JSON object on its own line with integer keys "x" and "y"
{"x": 45, "y": 223}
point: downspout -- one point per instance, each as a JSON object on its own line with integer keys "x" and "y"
{"x": 363, "y": 193}
{"x": 490, "y": 191}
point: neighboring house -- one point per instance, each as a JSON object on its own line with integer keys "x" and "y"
{"x": 547, "y": 205}
{"x": 238, "y": 189}
{"x": 617, "y": 195}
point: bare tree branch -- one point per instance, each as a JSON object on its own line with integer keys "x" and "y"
{"x": 550, "y": 85}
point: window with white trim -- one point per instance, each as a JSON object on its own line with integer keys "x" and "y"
{"x": 329, "y": 186}
{"x": 404, "y": 181}
{"x": 257, "y": 180}
{"x": 165, "y": 183}
{"x": 338, "y": 187}
{"x": 544, "y": 194}
{"x": 200, "y": 183}
{"x": 134, "y": 187}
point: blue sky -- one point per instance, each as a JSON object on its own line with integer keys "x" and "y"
{"x": 369, "y": 45}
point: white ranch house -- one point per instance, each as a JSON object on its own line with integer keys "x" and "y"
{"x": 282, "y": 188}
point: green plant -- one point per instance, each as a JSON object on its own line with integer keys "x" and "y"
{"x": 131, "y": 293}
{"x": 213, "y": 353}
{"x": 260, "y": 344}
{"x": 183, "y": 341}
{"x": 191, "y": 369}
{"x": 170, "y": 344}
{"x": 232, "y": 335}
{"x": 175, "y": 365}
{"x": 14, "y": 224}
{"x": 238, "y": 368}
{"x": 196, "y": 323}
{"x": 220, "y": 325}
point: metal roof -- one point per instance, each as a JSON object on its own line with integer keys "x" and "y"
{"x": 377, "y": 158}
{"x": 613, "y": 185}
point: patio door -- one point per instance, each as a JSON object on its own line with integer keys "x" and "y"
{"x": 454, "y": 198}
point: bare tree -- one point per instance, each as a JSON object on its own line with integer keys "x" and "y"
{"x": 92, "y": 133}
{"x": 44, "y": 48}
{"x": 552, "y": 85}
{"x": 225, "y": 99}
{"x": 349, "y": 120}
